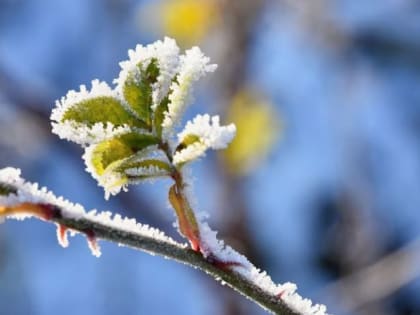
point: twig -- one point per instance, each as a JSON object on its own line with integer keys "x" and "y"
{"x": 97, "y": 230}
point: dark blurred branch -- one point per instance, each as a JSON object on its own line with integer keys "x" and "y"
{"x": 380, "y": 279}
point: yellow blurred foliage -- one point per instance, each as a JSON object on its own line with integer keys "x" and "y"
{"x": 258, "y": 128}
{"x": 187, "y": 20}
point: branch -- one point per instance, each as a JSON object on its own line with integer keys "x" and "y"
{"x": 378, "y": 280}
{"x": 19, "y": 199}
{"x": 178, "y": 253}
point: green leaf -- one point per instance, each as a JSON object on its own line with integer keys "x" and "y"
{"x": 137, "y": 90}
{"x": 107, "y": 153}
{"x": 160, "y": 111}
{"x": 145, "y": 163}
{"x": 101, "y": 109}
{"x": 6, "y": 189}
{"x": 186, "y": 141}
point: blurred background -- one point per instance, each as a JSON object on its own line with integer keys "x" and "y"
{"x": 321, "y": 186}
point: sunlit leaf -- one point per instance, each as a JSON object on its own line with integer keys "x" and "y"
{"x": 137, "y": 90}
{"x": 102, "y": 109}
{"x": 119, "y": 148}
{"x": 146, "y": 163}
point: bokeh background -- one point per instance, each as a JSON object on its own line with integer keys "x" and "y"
{"x": 321, "y": 186}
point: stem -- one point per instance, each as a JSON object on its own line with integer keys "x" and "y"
{"x": 177, "y": 252}
{"x": 187, "y": 220}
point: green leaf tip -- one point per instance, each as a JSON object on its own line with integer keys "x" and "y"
{"x": 186, "y": 141}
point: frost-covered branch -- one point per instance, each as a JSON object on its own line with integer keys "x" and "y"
{"x": 20, "y": 199}
{"x": 128, "y": 132}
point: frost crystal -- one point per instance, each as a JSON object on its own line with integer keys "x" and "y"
{"x": 193, "y": 65}
{"x": 210, "y": 134}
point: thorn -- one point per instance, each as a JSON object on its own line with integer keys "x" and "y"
{"x": 62, "y": 235}
{"x": 280, "y": 294}
{"x": 195, "y": 244}
{"x": 93, "y": 244}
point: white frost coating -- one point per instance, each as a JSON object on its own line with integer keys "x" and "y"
{"x": 190, "y": 153}
{"x": 128, "y": 225}
{"x": 211, "y": 135}
{"x": 78, "y": 132}
{"x": 149, "y": 171}
{"x": 84, "y": 135}
{"x": 193, "y": 65}
{"x": 30, "y": 193}
{"x": 166, "y": 53}
{"x": 210, "y": 132}
{"x": 112, "y": 182}
{"x": 287, "y": 291}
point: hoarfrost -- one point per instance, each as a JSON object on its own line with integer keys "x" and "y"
{"x": 78, "y": 132}
{"x": 166, "y": 53}
{"x": 29, "y": 193}
{"x": 193, "y": 65}
{"x": 210, "y": 134}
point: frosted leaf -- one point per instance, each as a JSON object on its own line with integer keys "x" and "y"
{"x": 146, "y": 168}
{"x": 104, "y": 160}
{"x": 90, "y": 116}
{"x": 166, "y": 53}
{"x": 112, "y": 182}
{"x": 146, "y": 171}
{"x": 190, "y": 153}
{"x": 84, "y": 135}
{"x": 193, "y": 65}
{"x": 206, "y": 133}
{"x": 209, "y": 131}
